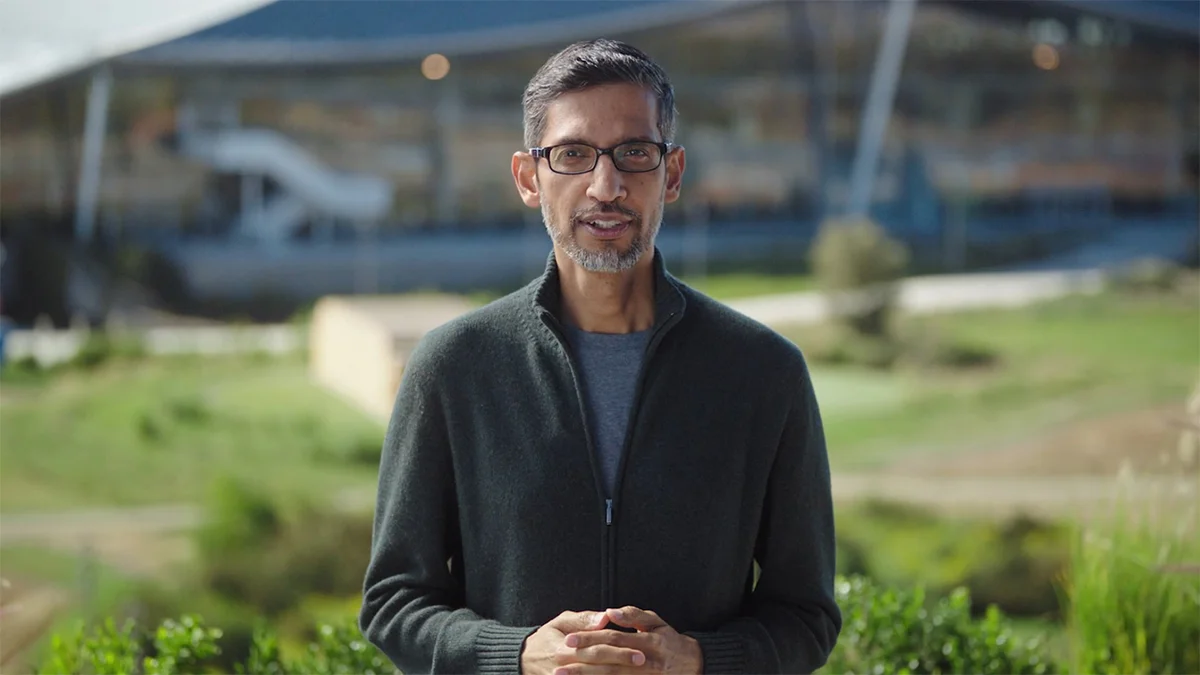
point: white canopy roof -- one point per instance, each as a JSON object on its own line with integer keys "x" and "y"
{"x": 44, "y": 39}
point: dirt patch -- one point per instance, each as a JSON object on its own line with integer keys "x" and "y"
{"x": 26, "y": 612}
{"x": 1144, "y": 441}
{"x": 135, "y": 554}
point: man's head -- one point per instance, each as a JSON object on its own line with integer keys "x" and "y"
{"x": 601, "y": 115}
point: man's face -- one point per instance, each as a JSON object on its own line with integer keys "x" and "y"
{"x": 604, "y": 220}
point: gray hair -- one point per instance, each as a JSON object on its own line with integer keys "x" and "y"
{"x": 591, "y": 63}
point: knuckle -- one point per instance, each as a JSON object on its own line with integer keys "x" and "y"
{"x": 564, "y": 655}
{"x": 593, "y": 654}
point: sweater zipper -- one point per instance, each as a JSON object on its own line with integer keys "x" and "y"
{"x": 608, "y": 544}
{"x": 605, "y": 541}
{"x": 610, "y": 564}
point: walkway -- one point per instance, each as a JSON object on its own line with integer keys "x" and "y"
{"x": 999, "y": 497}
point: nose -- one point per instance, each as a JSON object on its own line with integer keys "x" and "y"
{"x": 608, "y": 183}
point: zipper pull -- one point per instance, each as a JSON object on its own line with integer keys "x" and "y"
{"x": 608, "y": 512}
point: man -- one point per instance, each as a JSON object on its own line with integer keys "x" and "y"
{"x": 582, "y": 476}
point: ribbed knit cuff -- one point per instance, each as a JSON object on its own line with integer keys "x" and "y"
{"x": 724, "y": 652}
{"x": 498, "y": 648}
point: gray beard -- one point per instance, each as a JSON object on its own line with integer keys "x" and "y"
{"x": 606, "y": 260}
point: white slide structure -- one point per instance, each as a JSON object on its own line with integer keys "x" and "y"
{"x": 310, "y": 189}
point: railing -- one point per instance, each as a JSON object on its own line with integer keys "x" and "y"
{"x": 50, "y": 347}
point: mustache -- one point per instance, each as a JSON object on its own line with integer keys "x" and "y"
{"x": 606, "y": 210}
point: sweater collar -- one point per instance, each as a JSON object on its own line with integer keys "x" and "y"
{"x": 669, "y": 303}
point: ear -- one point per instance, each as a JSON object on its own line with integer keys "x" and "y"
{"x": 524, "y": 171}
{"x": 676, "y": 162}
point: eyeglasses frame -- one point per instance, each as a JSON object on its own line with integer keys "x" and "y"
{"x": 544, "y": 153}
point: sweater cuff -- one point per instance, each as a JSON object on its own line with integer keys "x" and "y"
{"x": 724, "y": 652}
{"x": 498, "y": 648}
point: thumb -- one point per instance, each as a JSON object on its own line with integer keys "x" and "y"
{"x": 575, "y": 621}
{"x": 593, "y": 620}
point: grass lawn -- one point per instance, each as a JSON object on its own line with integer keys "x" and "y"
{"x": 734, "y": 286}
{"x": 161, "y": 430}
{"x": 1060, "y": 361}
{"x": 723, "y": 286}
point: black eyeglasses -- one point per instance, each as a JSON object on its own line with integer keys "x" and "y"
{"x": 576, "y": 158}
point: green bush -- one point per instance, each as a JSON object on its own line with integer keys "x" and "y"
{"x": 189, "y": 410}
{"x": 927, "y": 346}
{"x": 889, "y": 630}
{"x": 239, "y": 517}
{"x": 1132, "y": 595}
{"x": 885, "y": 631}
{"x": 1146, "y": 275}
{"x": 25, "y": 370}
{"x": 1013, "y": 564}
{"x": 857, "y": 263}
{"x": 358, "y": 449}
{"x": 854, "y": 349}
{"x": 183, "y": 646}
{"x": 187, "y": 645}
{"x": 269, "y": 555}
{"x": 101, "y": 347}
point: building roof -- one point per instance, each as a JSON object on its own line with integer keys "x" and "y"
{"x": 46, "y": 39}
{"x": 299, "y": 32}
{"x": 42, "y": 40}
{"x": 1181, "y": 16}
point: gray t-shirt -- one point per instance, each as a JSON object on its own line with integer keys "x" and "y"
{"x": 609, "y": 365}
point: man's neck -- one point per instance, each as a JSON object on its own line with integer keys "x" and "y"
{"x": 621, "y": 302}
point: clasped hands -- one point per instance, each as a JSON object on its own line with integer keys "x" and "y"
{"x": 578, "y": 643}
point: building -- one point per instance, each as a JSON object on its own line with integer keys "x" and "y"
{"x": 358, "y": 346}
{"x": 314, "y": 146}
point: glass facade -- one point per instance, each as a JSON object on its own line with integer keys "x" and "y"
{"x": 1005, "y": 117}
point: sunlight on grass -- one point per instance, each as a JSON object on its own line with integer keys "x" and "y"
{"x": 1058, "y": 362}
{"x": 846, "y": 394}
{"x": 160, "y": 430}
{"x": 734, "y": 286}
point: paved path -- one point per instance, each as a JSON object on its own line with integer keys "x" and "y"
{"x": 932, "y": 294}
{"x": 86, "y": 523}
{"x": 919, "y": 295}
{"x": 1051, "y": 497}
{"x": 998, "y": 497}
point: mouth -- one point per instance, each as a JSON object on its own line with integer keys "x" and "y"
{"x": 606, "y": 228}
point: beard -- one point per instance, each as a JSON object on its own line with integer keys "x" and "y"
{"x": 609, "y": 257}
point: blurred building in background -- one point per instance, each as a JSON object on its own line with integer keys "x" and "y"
{"x": 330, "y": 146}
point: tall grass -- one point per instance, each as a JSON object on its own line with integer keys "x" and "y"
{"x": 1132, "y": 593}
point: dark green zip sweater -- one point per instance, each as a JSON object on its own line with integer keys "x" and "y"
{"x": 492, "y": 516}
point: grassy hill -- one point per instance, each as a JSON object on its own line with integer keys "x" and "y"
{"x": 159, "y": 430}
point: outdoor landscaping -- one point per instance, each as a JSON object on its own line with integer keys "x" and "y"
{"x": 274, "y": 478}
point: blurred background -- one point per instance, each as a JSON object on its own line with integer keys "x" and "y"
{"x": 222, "y": 229}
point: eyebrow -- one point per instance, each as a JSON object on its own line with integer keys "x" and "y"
{"x": 576, "y": 140}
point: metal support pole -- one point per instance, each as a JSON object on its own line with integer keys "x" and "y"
{"x": 695, "y": 241}
{"x": 820, "y": 60}
{"x": 448, "y": 117}
{"x": 880, "y": 100}
{"x": 95, "y": 128}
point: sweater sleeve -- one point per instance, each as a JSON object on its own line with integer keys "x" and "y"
{"x": 413, "y": 608}
{"x": 791, "y": 621}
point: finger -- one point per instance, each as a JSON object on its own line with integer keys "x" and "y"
{"x": 569, "y": 622}
{"x": 614, "y": 638}
{"x": 589, "y": 669}
{"x": 600, "y": 655}
{"x": 633, "y": 617}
